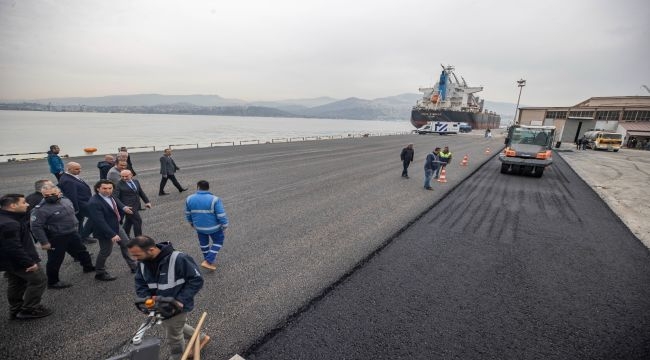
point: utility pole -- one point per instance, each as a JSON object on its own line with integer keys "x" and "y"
{"x": 521, "y": 83}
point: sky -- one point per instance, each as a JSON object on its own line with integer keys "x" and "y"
{"x": 266, "y": 50}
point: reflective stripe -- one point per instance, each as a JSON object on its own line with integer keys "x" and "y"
{"x": 171, "y": 275}
{"x": 211, "y": 228}
{"x": 202, "y": 212}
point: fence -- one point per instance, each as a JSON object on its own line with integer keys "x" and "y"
{"x": 213, "y": 144}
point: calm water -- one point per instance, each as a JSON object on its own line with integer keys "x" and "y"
{"x": 35, "y": 131}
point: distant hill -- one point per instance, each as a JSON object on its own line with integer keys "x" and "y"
{"x": 144, "y": 100}
{"x": 396, "y": 107}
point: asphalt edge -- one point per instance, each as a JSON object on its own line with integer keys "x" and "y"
{"x": 590, "y": 186}
{"x": 291, "y": 318}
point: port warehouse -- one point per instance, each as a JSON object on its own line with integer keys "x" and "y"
{"x": 629, "y": 115}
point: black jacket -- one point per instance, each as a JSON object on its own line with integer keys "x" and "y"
{"x": 17, "y": 251}
{"x": 76, "y": 190}
{"x": 105, "y": 223}
{"x": 103, "y": 167}
{"x": 129, "y": 197}
{"x": 407, "y": 154}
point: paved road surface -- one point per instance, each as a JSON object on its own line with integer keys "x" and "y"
{"x": 504, "y": 267}
{"x": 303, "y": 214}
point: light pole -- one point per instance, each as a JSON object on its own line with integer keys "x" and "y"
{"x": 521, "y": 83}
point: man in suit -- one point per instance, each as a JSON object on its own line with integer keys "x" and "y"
{"x": 167, "y": 169}
{"x": 106, "y": 212}
{"x": 129, "y": 191}
{"x": 78, "y": 192}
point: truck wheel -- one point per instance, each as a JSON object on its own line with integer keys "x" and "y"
{"x": 539, "y": 171}
{"x": 504, "y": 168}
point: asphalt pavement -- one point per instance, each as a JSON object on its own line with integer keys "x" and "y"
{"x": 306, "y": 217}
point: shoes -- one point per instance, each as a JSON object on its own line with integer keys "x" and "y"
{"x": 407, "y": 177}
{"x": 208, "y": 266}
{"x": 88, "y": 240}
{"x": 206, "y": 339}
{"x": 12, "y": 315}
{"x": 183, "y": 189}
{"x": 34, "y": 313}
{"x": 88, "y": 269}
{"x": 104, "y": 277}
{"x": 163, "y": 194}
{"x": 59, "y": 285}
{"x": 429, "y": 188}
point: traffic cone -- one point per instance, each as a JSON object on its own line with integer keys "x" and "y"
{"x": 487, "y": 151}
{"x": 465, "y": 161}
{"x": 443, "y": 175}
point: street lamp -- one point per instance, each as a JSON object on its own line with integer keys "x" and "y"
{"x": 521, "y": 83}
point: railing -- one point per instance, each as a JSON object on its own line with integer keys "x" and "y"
{"x": 170, "y": 146}
{"x": 220, "y": 143}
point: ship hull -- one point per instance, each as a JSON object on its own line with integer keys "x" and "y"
{"x": 419, "y": 118}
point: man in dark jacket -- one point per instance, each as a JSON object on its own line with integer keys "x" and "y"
{"x": 106, "y": 212}
{"x": 105, "y": 165}
{"x": 54, "y": 226}
{"x": 168, "y": 170}
{"x": 154, "y": 277}
{"x": 407, "y": 156}
{"x": 78, "y": 191}
{"x": 129, "y": 191}
{"x": 36, "y": 197}
{"x": 19, "y": 260}
{"x": 431, "y": 164}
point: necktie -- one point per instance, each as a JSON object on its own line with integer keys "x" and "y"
{"x": 117, "y": 213}
{"x": 132, "y": 185}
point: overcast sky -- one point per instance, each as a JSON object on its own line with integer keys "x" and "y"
{"x": 567, "y": 50}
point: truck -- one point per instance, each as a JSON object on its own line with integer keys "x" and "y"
{"x": 604, "y": 140}
{"x": 439, "y": 127}
{"x": 528, "y": 150}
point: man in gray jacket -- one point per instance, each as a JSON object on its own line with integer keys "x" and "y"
{"x": 167, "y": 169}
{"x": 54, "y": 225}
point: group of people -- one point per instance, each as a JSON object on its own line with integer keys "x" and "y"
{"x": 434, "y": 162}
{"x": 61, "y": 218}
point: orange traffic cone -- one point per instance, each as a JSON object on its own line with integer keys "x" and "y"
{"x": 465, "y": 161}
{"x": 443, "y": 175}
{"x": 487, "y": 151}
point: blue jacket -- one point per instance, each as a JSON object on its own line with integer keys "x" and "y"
{"x": 55, "y": 162}
{"x": 205, "y": 212}
{"x": 432, "y": 162}
{"x": 171, "y": 273}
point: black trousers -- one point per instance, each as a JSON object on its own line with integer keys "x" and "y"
{"x": 163, "y": 182}
{"x": 61, "y": 244}
{"x": 406, "y": 164}
{"x": 134, "y": 221}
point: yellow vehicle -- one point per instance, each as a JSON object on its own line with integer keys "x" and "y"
{"x": 604, "y": 140}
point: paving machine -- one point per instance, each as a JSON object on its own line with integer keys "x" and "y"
{"x": 528, "y": 150}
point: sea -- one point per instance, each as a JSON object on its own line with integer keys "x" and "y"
{"x": 29, "y": 134}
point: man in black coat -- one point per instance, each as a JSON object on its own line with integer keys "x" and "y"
{"x": 168, "y": 170}
{"x": 129, "y": 191}
{"x": 106, "y": 212}
{"x": 26, "y": 281}
{"x": 78, "y": 192}
{"x": 407, "y": 156}
{"x": 36, "y": 197}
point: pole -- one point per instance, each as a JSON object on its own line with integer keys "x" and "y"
{"x": 521, "y": 83}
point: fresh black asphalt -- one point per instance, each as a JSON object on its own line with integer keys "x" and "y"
{"x": 503, "y": 267}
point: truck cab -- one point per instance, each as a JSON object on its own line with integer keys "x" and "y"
{"x": 528, "y": 150}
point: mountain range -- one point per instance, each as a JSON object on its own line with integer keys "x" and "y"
{"x": 387, "y": 108}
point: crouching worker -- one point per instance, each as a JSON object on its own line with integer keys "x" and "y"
{"x": 165, "y": 272}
